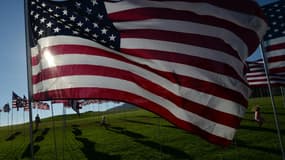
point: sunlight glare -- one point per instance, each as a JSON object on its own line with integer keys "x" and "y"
{"x": 49, "y": 58}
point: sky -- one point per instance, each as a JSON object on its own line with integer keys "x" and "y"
{"x": 13, "y": 66}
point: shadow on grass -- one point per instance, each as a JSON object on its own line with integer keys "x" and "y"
{"x": 13, "y": 136}
{"x": 139, "y": 139}
{"x": 27, "y": 152}
{"x": 90, "y": 152}
{"x": 146, "y": 123}
{"x": 165, "y": 149}
{"x": 76, "y": 131}
{"x": 253, "y": 128}
{"x": 75, "y": 125}
{"x": 41, "y": 137}
{"x": 144, "y": 116}
{"x": 125, "y": 132}
{"x": 279, "y": 113}
{"x": 240, "y": 143}
{"x": 36, "y": 148}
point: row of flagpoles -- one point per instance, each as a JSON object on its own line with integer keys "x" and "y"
{"x": 22, "y": 102}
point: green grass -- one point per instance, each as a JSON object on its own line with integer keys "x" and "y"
{"x": 140, "y": 135}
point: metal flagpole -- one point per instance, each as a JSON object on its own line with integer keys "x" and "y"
{"x": 64, "y": 128}
{"x": 283, "y": 98}
{"x": 8, "y": 123}
{"x": 272, "y": 101}
{"x": 29, "y": 74}
{"x": 53, "y": 126}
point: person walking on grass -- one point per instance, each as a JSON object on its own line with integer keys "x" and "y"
{"x": 37, "y": 121}
{"x": 257, "y": 116}
{"x": 104, "y": 122}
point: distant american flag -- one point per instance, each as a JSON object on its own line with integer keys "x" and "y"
{"x": 17, "y": 101}
{"x": 274, "y": 40}
{"x": 26, "y": 104}
{"x": 256, "y": 75}
{"x": 183, "y": 60}
{"x": 42, "y": 105}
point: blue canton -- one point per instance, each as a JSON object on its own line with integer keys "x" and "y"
{"x": 275, "y": 14}
{"x": 86, "y": 18}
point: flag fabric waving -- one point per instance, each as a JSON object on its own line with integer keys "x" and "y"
{"x": 26, "y": 104}
{"x": 183, "y": 60}
{"x": 17, "y": 101}
{"x": 75, "y": 105}
{"x": 256, "y": 75}
{"x": 42, "y": 105}
{"x": 6, "y": 108}
{"x": 274, "y": 40}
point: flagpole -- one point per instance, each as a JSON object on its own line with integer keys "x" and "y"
{"x": 283, "y": 98}
{"x": 64, "y": 128}
{"x": 272, "y": 100}
{"x": 53, "y": 126}
{"x": 29, "y": 75}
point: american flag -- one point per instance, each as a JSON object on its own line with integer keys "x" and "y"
{"x": 76, "y": 105}
{"x": 256, "y": 75}
{"x": 17, "y": 101}
{"x": 26, "y": 104}
{"x": 42, "y": 105}
{"x": 274, "y": 40}
{"x": 6, "y": 108}
{"x": 183, "y": 60}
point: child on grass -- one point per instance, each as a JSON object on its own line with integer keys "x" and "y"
{"x": 257, "y": 116}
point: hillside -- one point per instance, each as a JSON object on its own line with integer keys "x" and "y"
{"x": 122, "y": 108}
{"x": 139, "y": 135}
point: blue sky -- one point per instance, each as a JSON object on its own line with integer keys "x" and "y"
{"x": 13, "y": 57}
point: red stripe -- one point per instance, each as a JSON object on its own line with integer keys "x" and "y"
{"x": 182, "y": 80}
{"x": 274, "y": 47}
{"x": 147, "y": 54}
{"x": 277, "y": 70}
{"x": 248, "y": 36}
{"x": 136, "y": 100}
{"x": 223, "y": 118}
{"x": 196, "y": 84}
{"x": 248, "y": 6}
{"x": 167, "y": 56}
{"x": 186, "y": 38}
{"x": 276, "y": 59}
{"x": 198, "y": 62}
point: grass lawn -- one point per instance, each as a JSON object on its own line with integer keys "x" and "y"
{"x": 140, "y": 135}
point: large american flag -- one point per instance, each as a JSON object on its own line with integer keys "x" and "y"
{"x": 274, "y": 40}
{"x": 183, "y": 60}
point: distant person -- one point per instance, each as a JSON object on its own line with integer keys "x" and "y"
{"x": 257, "y": 116}
{"x": 37, "y": 121}
{"x": 104, "y": 122}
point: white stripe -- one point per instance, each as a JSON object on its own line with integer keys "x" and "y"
{"x": 256, "y": 69}
{"x": 274, "y": 65}
{"x": 274, "y": 41}
{"x": 214, "y": 55}
{"x": 205, "y": 99}
{"x": 256, "y": 78}
{"x": 126, "y": 86}
{"x": 188, "y": 27}
{"x": 265, "y": 82}
{"x": 181, "y": 69}
{"x": 275, "y": 53}
{"x": 257, "y": 83}
{"x": 199, "y": 8}
{"x": 255, "y": 74}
